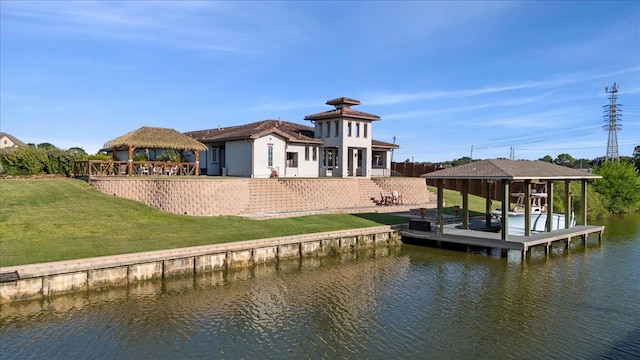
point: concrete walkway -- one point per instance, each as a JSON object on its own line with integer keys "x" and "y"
{"x": 401, "y": 210}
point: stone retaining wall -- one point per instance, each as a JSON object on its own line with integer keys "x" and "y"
{"x": 239, "y": 196}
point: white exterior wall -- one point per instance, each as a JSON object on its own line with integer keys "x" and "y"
{"x": 261, "y": 156}
{"x": 238, "y": 160}
{"x": 305, "y": 168}
{"x": 348, "y": 146}
{"x": 358, "y": 141}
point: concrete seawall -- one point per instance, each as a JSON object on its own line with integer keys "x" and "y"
{"x": 38, "y": 281}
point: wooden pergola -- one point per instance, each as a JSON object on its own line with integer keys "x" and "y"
{"x": 155, "y": 138}
{"x": 508, "y": 172}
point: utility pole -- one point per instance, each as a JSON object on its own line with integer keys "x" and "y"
{"x": 392, "y": 164}
{"x": 612, "y": 115}
{"x": 394, "y": 142}
{"x": 471, "y": 155}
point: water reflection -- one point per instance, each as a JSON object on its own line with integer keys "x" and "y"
{"x": 407, "y": 301}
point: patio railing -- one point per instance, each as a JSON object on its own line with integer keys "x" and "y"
{"x": 91, "y": 168}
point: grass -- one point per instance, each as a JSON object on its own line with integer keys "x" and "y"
{"x": 453, "y": 197}
{"x": 44, "y": 220}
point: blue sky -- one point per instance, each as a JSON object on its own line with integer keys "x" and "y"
{"x": 445, "y": 77}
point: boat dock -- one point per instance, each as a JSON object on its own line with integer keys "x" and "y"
{"x": 454, "y": 235}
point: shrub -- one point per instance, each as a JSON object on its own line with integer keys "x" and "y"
{"x": 169, "y": 155}
{"x": 140, "y": 157}
{"x": 619, "y": 186}
{"x": 24, "y": 160}
{"x": 45, "y": 159}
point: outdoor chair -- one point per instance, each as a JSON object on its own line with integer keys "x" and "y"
{"x": 396, "y": 198}
{"x": 385, "y": 198}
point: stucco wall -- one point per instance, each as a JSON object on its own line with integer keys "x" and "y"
{"x": 261, "y": 155}
{"x": 240, "y": 165}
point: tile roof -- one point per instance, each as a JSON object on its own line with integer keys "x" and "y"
{"x": 290, "y": 131}
{"x": 500, "y": 169}
{"x": 343, "y": 101}
{"x": 342, "y": 110}
{"x": 382, "y": 144}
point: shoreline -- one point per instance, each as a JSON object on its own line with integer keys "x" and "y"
{"x": 39, "y": 281}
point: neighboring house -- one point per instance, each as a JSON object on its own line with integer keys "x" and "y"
{"x": 7, "y": 141}
{"x": 339, "y": 144}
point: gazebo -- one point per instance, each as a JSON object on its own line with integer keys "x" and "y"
{"x": 148, "y": 137}
{"x": 507, "y": 172}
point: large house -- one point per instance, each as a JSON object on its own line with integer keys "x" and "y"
{"x": 339, "y": 144}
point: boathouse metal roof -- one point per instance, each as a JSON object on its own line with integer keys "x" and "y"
{"x": 513, "y": 170}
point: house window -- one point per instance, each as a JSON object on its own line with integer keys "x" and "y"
{"x": 377, "y": 161}
{"x": 319, "y": 130}
{"x": 366, "y": 130}
{"x": 292, "y": 159}
{"x": 337, "y": 128}
{"x": 330, "y": 157}
{"x": 314, "y": 153}
{"x": 270, "y": 155}
{"x": 306, "y": 153}
{"x": 357, "y": 129}
{"x": 349, "y": 129}
{"x": 214, "y": 155}
{"x": 328, "y": 128}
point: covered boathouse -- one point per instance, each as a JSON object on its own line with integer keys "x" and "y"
{"x": 507, "y": 173}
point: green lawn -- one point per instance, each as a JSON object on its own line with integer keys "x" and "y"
{"x": 45, "y": 220}
{"x": 476, "y": 203}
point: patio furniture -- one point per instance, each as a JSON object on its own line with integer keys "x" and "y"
{"x": 396, "y": 198}
{"x": 385, "y": 198}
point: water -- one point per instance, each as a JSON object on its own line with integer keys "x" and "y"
{"x": 405, "y": 302}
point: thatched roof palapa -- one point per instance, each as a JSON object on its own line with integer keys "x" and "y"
{"x": 158, "y": 138}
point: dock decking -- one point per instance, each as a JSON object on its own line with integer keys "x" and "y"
{"x": 492, "y": 240}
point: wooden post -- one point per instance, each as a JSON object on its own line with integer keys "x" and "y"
{"x": 583, "y": 204}
{"x": 505, "y": 209}
{"x": 549, "y": 225}
{"x": 130, "y": 162}
{"x": 197, "y": 154}
{"x": 546, "y": 249}
{"x": 568, "y": 211}
{"x": 440, "y": 205}
{"x": 465, "y": 204}
{"x": 527, "y": 207}
{"x": 487, "y": 206}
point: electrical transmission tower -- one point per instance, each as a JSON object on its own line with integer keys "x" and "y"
{"x": 612, "y": 115}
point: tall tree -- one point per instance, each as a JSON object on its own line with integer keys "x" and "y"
{"x": 565, "y": 160}
{"x": 547, "y": 158}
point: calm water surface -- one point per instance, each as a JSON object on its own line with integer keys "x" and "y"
{"x": 404, "y": 302}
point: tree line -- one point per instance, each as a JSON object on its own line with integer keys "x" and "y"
{"x": 618, "y": 191}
